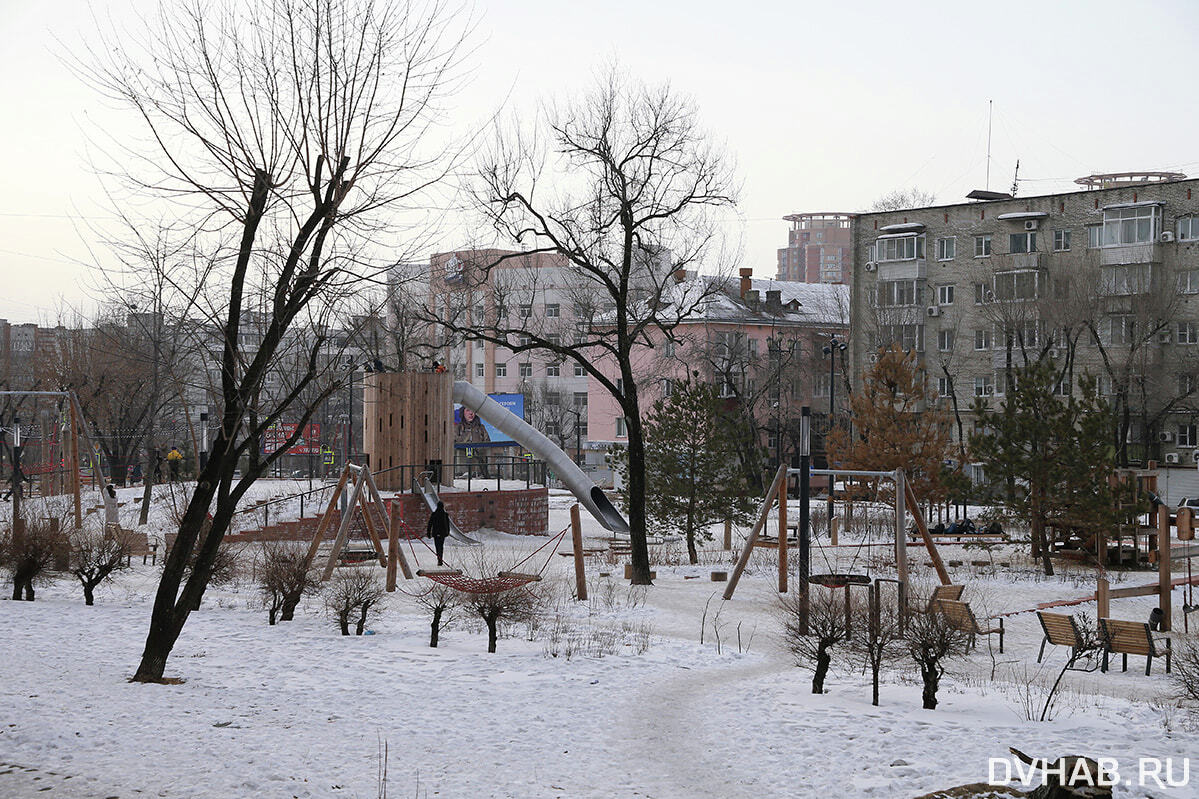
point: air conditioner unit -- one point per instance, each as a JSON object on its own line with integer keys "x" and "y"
{"x": 871, "y": 266}
{"x": 1165, "y": 436}
{"x": 1163, "y": 338}
{"x": 1054, "y": 353}
{"x": 1171, "y": 457}
{"x": 1195, "y": 456}
{"x": 934, "y": 310}
{"x": 1030, "y": 224}
{"x": 1167, "y": 236}
{"x": 873, "y": 358}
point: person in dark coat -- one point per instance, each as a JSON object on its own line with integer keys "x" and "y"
{"x": 438, "y": 529}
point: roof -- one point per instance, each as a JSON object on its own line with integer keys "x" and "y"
{"x": 824, "y": 304}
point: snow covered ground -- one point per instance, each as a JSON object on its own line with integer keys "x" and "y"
{"x": 297, "y": 710}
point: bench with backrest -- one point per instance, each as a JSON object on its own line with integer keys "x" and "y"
{"x": 1061, "y": 629}
{"x": 961, "y": 617}
{"x": 940, "y": 592}
{"x": 1132, "y": 638}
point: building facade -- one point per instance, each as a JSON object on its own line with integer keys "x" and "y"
{"x": 1102, "y": 282}
{"x": 819, "y": 248}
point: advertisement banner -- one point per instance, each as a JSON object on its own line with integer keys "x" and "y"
{"x": 309, "y": 443}
{"x": 470, "y": 431}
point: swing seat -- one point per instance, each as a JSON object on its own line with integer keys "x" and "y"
{"x": 839, "y": 580}
{"x": 523, "y": 576}
{"x": 438, "y": 573}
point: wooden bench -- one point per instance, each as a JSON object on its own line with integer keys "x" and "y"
{"x": 1132, "y": 638}
{"x": 1061, "y": 629}
{"x": 961, "y": 617}
{"x": 951, "y": 592}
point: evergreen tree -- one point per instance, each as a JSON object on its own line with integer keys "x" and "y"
{"x": 694, "y": 478}
{"x": 1052, "y": 453}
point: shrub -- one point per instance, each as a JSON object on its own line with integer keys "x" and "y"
{"x": 284, "y": 579}
{"x": 354, "y": 594}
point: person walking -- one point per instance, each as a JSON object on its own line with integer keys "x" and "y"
{"x": 174, "y": 462}
{"x": 438, "y": 529}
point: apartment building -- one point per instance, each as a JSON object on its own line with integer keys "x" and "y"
{"x": 1101, "y": 281}
{"x": 819, "y": 248}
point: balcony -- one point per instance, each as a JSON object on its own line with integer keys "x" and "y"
{"x": 902, "y": 270}
{"x": 1130, "y": 254}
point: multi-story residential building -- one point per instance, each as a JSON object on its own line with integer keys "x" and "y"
{"x": 819, "y": 248}
{"x": 762, "y": 342}
{"x": 1102, "y": 281}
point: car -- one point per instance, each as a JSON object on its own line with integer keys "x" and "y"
{"x": 1189, "y": 502}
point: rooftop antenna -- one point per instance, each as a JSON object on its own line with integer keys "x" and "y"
{"x": 989, "y": 144}
{"x": 1016, "y": 178}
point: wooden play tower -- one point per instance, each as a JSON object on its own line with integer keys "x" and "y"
{"x": 407, "y": 420}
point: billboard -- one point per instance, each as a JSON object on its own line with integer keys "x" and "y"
{"x": 309, "y": 443}
{"x": 471, "y": 431}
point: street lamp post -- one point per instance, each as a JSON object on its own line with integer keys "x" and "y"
{"x": 831, "y": 349}
{"x": 805, "y": 538}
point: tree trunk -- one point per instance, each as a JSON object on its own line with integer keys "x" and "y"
{"x": 343, "y": 620}
{"x": 435, "y": 627}
{"x": 288, "y": 608}
{"x": 361, "y": 627}
{"x": 492, "y": 624}
{"x": 637, "y": 537}
{"x": 16, "y": 589}
{"x": 29, "y": 590}
{"x": 692, "y": 553}
{"x": 823, "y": 659}
{"x": 874, "y": 670}
{"x": 148, "y": 483}
{"x": 931, "y": 682}
{"x": 88, "y": 596}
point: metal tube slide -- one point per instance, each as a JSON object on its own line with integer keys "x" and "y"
{"x": 429, "y": 492}
{"x": 588, "y": 493}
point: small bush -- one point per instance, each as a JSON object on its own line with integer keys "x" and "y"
{"x": 826, "y": 628}
{"x": 284, "y": 579}
{"x": 95, "y": 555}
{"x": 354, "y": 594}
{"x": 31, "y": 556}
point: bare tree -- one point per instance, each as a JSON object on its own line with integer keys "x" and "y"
{"x": 443, "y": 604}
{"x": 284, "y": 579}
{"x": 901, "y": 199}
{"x": 931, "y": 641}
{"x": 29, "y": 555}
{"x": 827, "y": 626}
{"x": 96, "y": 553}
{"x": 354, "y": 594}
{"x": 282, "y": 135}
{"x": 880, "y": 641}
{"x": 625, "y": 200}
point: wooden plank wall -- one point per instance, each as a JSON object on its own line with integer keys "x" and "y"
{"x": 408, "y": 419}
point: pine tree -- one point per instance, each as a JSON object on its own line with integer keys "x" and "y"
{"x": 898, "y": 423}
{"x": 1051, "y": 453}
{"x": 694, "y": 478}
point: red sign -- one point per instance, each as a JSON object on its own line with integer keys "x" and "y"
{"x": 309, "y": 442}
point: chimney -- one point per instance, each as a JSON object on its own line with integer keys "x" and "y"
{"x": 747, "y": 273}
{"x": 680, "y": 275}
{"x": 774, "y": 300}
{"x": 752, "y": 298}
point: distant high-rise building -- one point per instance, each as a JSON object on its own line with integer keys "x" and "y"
{"x": 818, "y": 248}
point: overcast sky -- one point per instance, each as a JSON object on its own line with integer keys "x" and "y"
{"x": 825, "y": 106}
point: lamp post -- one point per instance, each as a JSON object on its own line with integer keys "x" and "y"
{"x": 805, "y": 539}
{"x": 18, "y": 524}
{"x": 578, "y": 436}
{"x": 831, "y": 349}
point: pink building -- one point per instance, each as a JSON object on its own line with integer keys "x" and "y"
{"x": 761, "y": 341}
{"x": 819, "y": 248}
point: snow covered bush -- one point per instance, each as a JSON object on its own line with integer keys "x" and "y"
{"x": 1186, "y": 668}
{"x": 931, "y": 642}
{"x": 826, "y": 628}
{"x": 284, "y": 579}
{"x": 354, "y": 594}
{"x": 442, "y": 603}
{"x": 31, "y": 556}
{"x": 95, "y": 554}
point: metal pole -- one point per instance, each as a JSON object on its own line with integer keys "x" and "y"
{"x": 832, "y": 388}
{"x": 805, "y": 543}
{"x": 18, "y": 526}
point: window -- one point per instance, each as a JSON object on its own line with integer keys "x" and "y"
{"x": 1186, "y": 435}
{"x": 553, "y": 398}
{"x": 1094, "y": 236}
{"x": 526, "y": 311}
{"x": 622, "y": 427}
{"x": 668, "y": 349}
{"x": 900, "y": 293}
{"x": 1188, "y": 333}
{"x": 943, "y": 386}
{"x": 580, "y": 399}
{"x": 727, "y": 389}
{"x": 822, "y": 386}
{"x": 900, "y": 248}
{"x": 554, "y": 338}
{"x": 982, "y": 293}
{"x": 1016, "y": 285}
{"x": 1186, "y": 385}
{"x": 946, "y": 248}
{"x": 945, "y": 341}
{"x": 479, "y": 316}
{"x": 1117, "y": 330}
{"x": 982, "y": 339}
{"x": 751, "y": 344}
{"x": 908, "y": 337}
{"x": 667, "y": 387}
{"x": 1125, "y": 279}
{"x": 580, "y": 370}
{"x": 1061, "y": 240}
{"x": 945, "y": 295}
{"x": 984, "y": 386}
{"x": 1188, "y": 228}
{"x": 526, "y": 369}
{"x": 1025, "y": 241}
{"x": 524, "y": 340}
{"x": 501, "y": 370}
{"x": 479, "y": 370}
{"x": 479, "y": 343}
{"x": 1188, "y": 281}
{"x": 553, "y": 370}
{"x": 553, "y": 311}
{"x": 982, "y": 246}
{"x": 1135, "y": 225}
{"x": 551, "y": 428}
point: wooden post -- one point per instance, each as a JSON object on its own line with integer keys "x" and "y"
{"x": 393, "y": 545}
{"x": 343, "y": 530}
{"x": 576, "y": 538}
{"x": 922, "y": 527}
{"x": 834, "y": 527}
{"x": 763, "y": 513}
{"x": 1103, "y": 600}
{"x": 377, "y": 498}
{"x": 783, "y": 535}
{"x": 75, "y": 466}
{"x": 324, "y": 522}
{"x": 1164, "y": 581}
{"x": 728, "y": 534}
